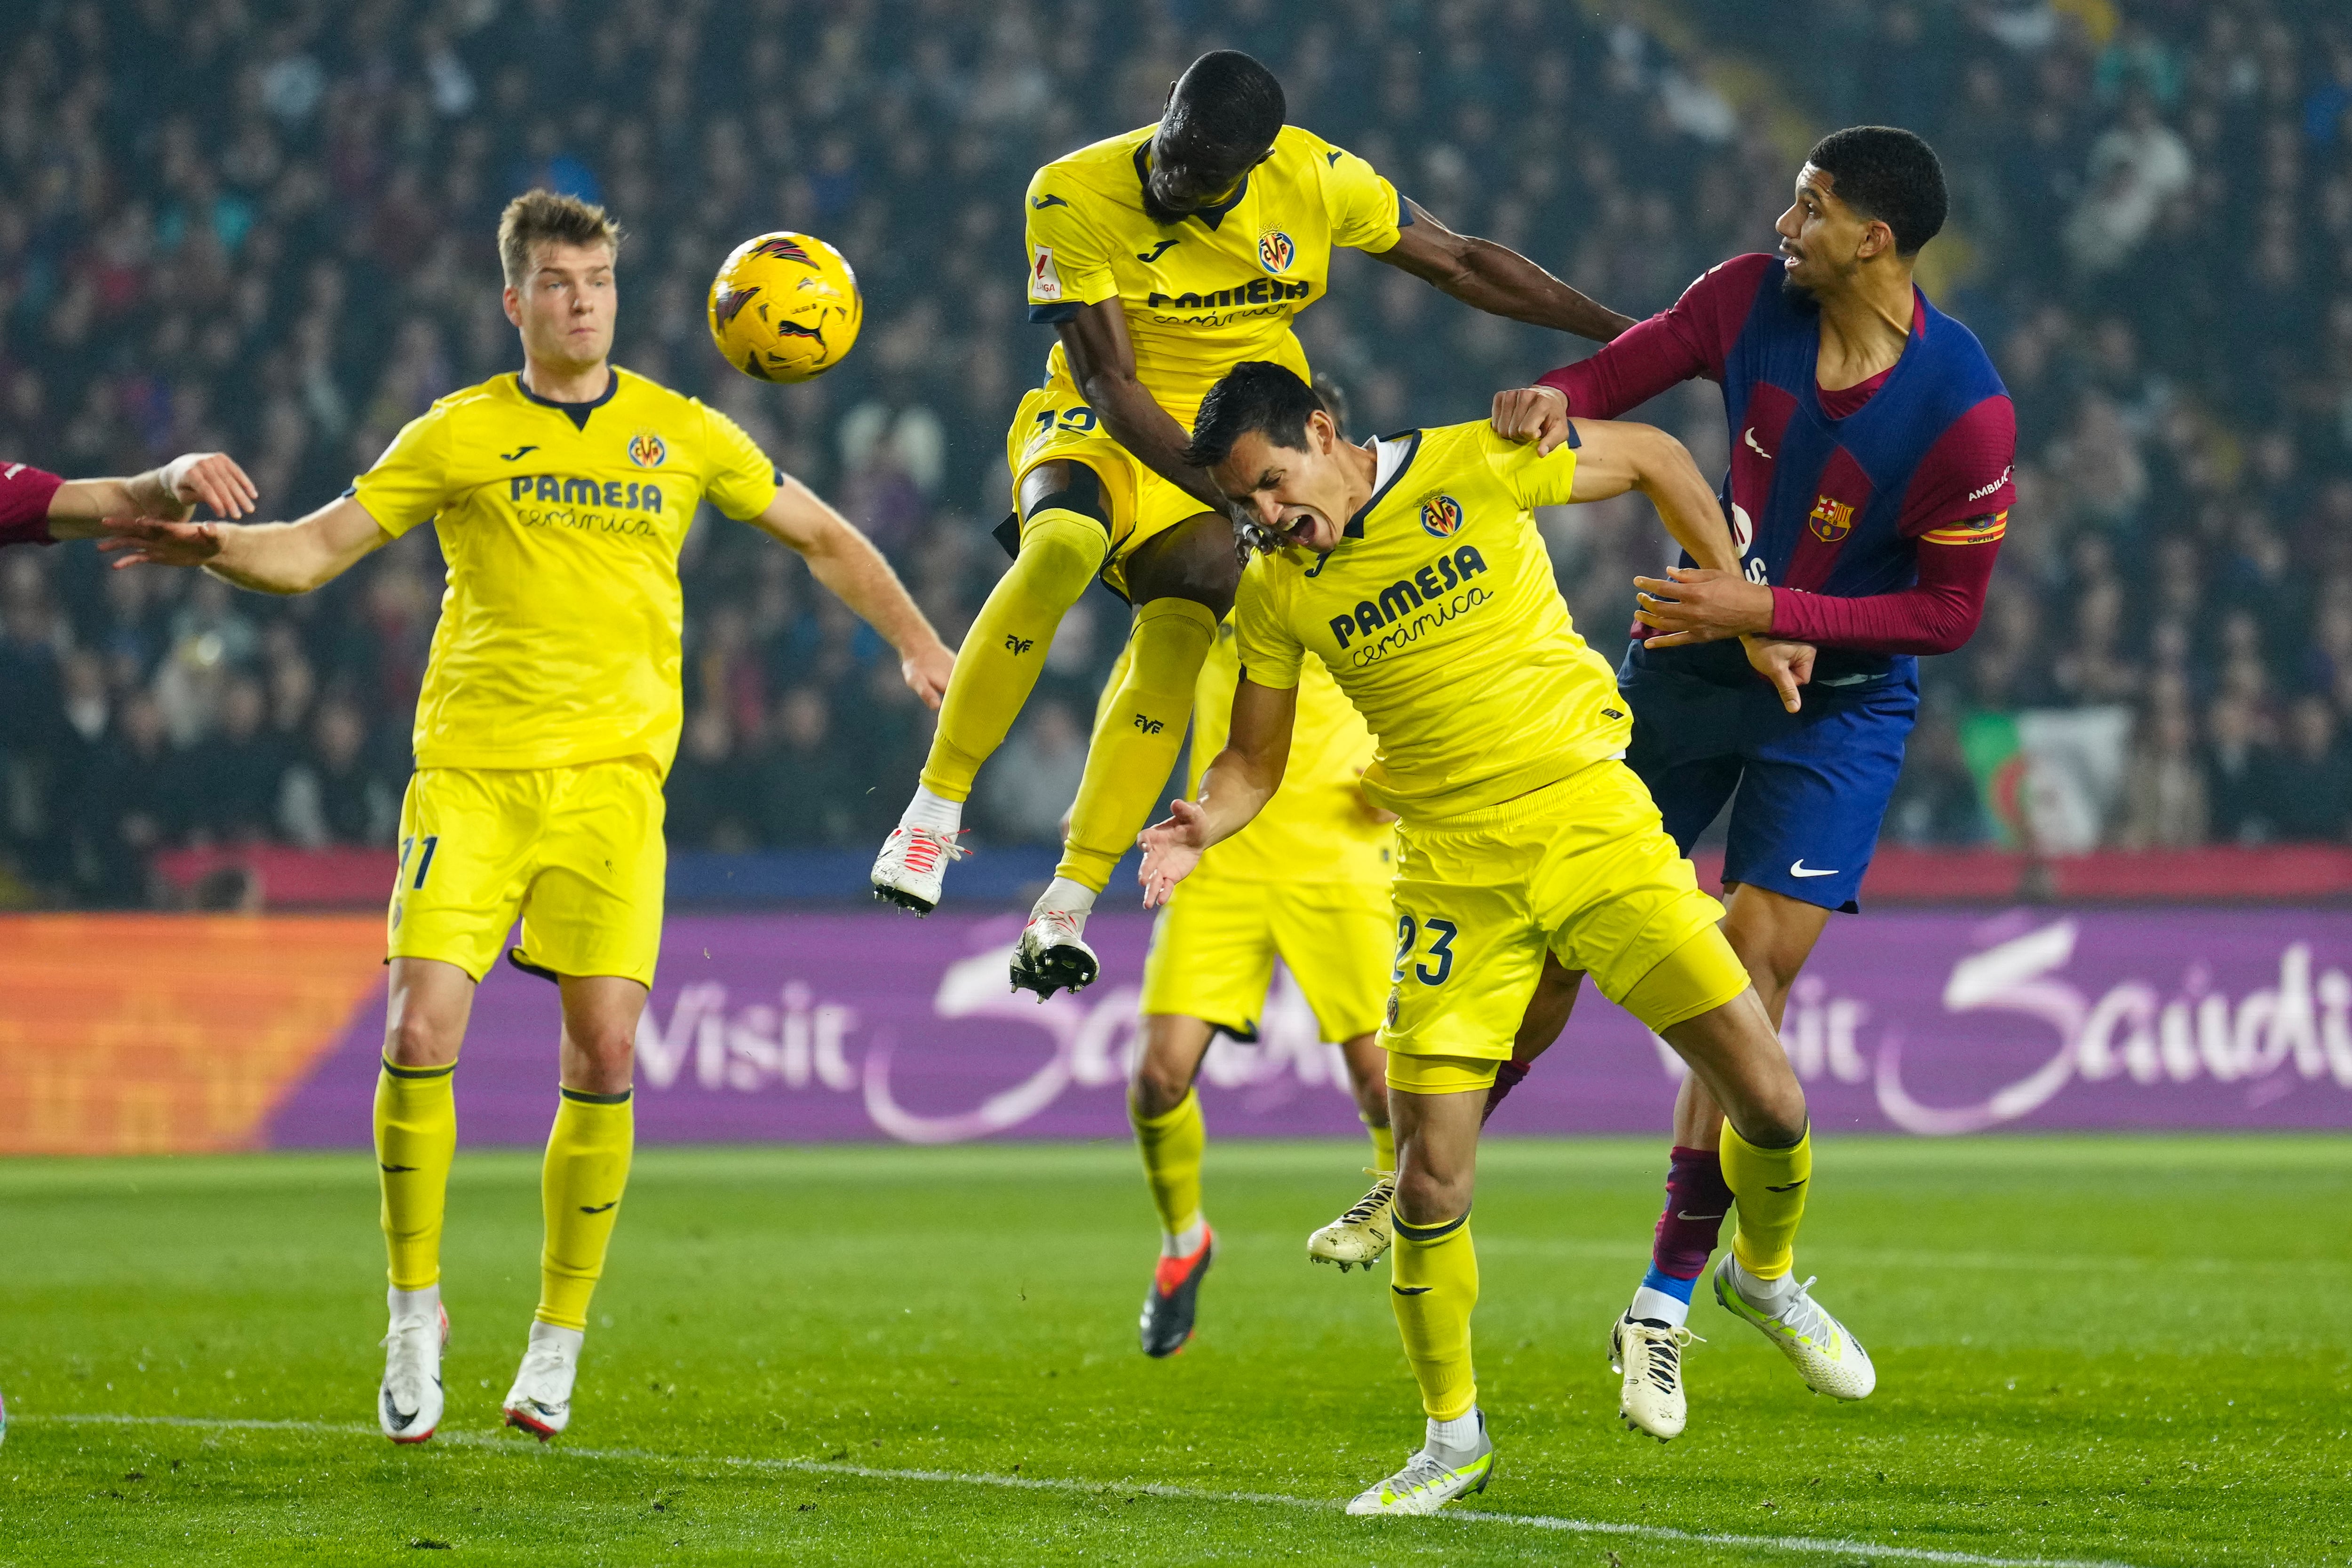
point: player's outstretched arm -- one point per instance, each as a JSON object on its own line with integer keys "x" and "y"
{"x": 1496, "y": 280}
{"x": 1102, "y": 362}
{"x": 171, "y": 492}
{"x": 267, "y": 557}
{"x": 846, "y": 562}
{"x": 1239, "y": 782}
{"x": 1612, "y": 457}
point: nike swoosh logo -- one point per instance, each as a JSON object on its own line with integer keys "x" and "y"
{"x": 1410, "y": 1290}
{"x": 1791, "y": 1187}
{"x": 1759, "y": 450}
{"x": 1680, "y": 1215}
{"x": 600, "y": 1208}
{"x": 1041, "y": 203}
{"x": 1798, "y": 868}
{"x": 394, "y": 1170}
{"x": 510, "y": 456}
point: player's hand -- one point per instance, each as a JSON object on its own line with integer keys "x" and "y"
{"x": 158, "y": 541}
{"x": 1531, "y": 413}
{"x": 925, "y": 670}
{"x": 210, "y": 479}
{"x": 1171, "y": 850}
{"x": 1786, "y": 665}
{"x": 1700, "y": 604}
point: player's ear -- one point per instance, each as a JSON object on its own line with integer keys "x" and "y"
{"x": 512, "y": 298}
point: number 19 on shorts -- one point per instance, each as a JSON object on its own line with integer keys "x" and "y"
{"x": 1424, "y": 950}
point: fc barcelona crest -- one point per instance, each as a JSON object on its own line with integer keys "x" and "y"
{"x": 1830, "y": 521}
{"x": 1441, "y": 516}
{"x": 646, "y": 450}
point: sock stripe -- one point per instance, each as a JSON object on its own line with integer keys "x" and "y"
{"x": 399, "y": 1072}
{"x": 584, "y": 1098}
{"x": 1432, "y": 1232}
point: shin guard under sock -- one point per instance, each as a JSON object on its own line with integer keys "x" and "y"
{"x": 415, "y": 1140}
{"x": 1138, "y": 732}
{"x": 1001, "y": 655}
{"x": 1172, "y": 1144}
{"x": 1768, "y": 1186}
{"x": 580, "y": 1187}
{"x": 1432, "y": 1287}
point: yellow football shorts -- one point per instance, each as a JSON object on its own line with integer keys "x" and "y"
{"x": 1583, "y": 867}
{"x": 576, "y": 851}
{"x": 1055, "y": 425}
{"x": 1214, "y": 947}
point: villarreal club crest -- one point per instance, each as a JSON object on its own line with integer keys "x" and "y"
{"x": 1441, "y": 516}
{"x": 784, "y": 307}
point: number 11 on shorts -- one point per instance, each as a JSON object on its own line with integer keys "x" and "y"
{"x": 431, "y": 841}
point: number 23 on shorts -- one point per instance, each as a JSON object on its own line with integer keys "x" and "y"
{"x": 1437, "y": 955}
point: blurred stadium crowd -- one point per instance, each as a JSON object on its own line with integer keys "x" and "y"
{"x": 267, "y": 227}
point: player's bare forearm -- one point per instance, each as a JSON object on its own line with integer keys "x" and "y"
{"x": 1102, "y": 362}
{"x": 265, "y": 558}
{"x": 171, "y": 492}
{"x": 1235, "y": 788}
{"x": 1497, "y": 279}
{"x": 1136, "y": 422}
{"x": 1614, "y": 456}
{"x": 846, "y": 561}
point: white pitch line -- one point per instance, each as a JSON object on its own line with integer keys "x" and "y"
{"x": 1817, "y": 1545}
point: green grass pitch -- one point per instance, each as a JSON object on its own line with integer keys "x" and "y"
{"x": 2090, "y": 1350}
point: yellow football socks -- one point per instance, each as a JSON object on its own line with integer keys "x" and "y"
{"x": 1433, "y": 1286}
{"x": 998, "y": 665}
{"x": 579, "y": 1189}
{"x": 1172, "y": 1144}
{"x": 416, "y": 1139}
{"x": 1383, "y": 1147}
{"x": 1138, "y": 731}
{"x": 1768, "y": 1186}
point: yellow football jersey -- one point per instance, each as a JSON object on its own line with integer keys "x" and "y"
{"x": 1438, "y": 616}
{"x": 1318, "y": 828}
{"x": 561, "y": 524}
{"x": 1204, "y": 295}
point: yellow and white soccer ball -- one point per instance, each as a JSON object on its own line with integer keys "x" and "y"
{"x": 785, "y": 307}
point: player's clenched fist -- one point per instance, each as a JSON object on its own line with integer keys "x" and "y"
{"x": 1171, "y": 850}
{"x": 1531, "y": 413}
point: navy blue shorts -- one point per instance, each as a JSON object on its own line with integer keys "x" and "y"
{"x": 1812, "y": 786}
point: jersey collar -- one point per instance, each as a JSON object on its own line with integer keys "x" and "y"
{"x": 577, "y": 413}
{"x": 1399, "y": 450}
{"x": 1213, "y": 216}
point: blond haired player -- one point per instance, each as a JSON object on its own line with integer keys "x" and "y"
{"x": 1162, "y": 257}
{"x": 548, "y": 716}
{"x": 1413, "y": 569}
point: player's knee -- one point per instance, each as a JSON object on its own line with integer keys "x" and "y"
{"x": 1427, "y": 1196}
{"x": 1774, "y": 1119}
{"x": 1192, "y": 561}
{"x": 1060, "y": 554}
{"x": 1159, "y": 1086}
{"x": 419, "y": 1038}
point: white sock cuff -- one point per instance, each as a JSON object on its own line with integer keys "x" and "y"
{"x": 423, "y": 1303}
{"x": 934, "y": 811}
{"x": 555, "y": 1334}
{"x": 1460, "y": 1433}
{"x": 1671, "y": 1311}
{"x": 1072, "y": 897}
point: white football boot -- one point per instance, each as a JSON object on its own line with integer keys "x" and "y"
{"x": 1650, "y": 1358}
{"x": 540, "y": 1400}
{"x": 1826, "y": 1356}
{"x": 1363, "y": 1234}
{"x": 912, "y": 866}
{"x": 1052, "y": 956}
{"x": 408, "y": 1404}
{"x": 1430, "y": 1479}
